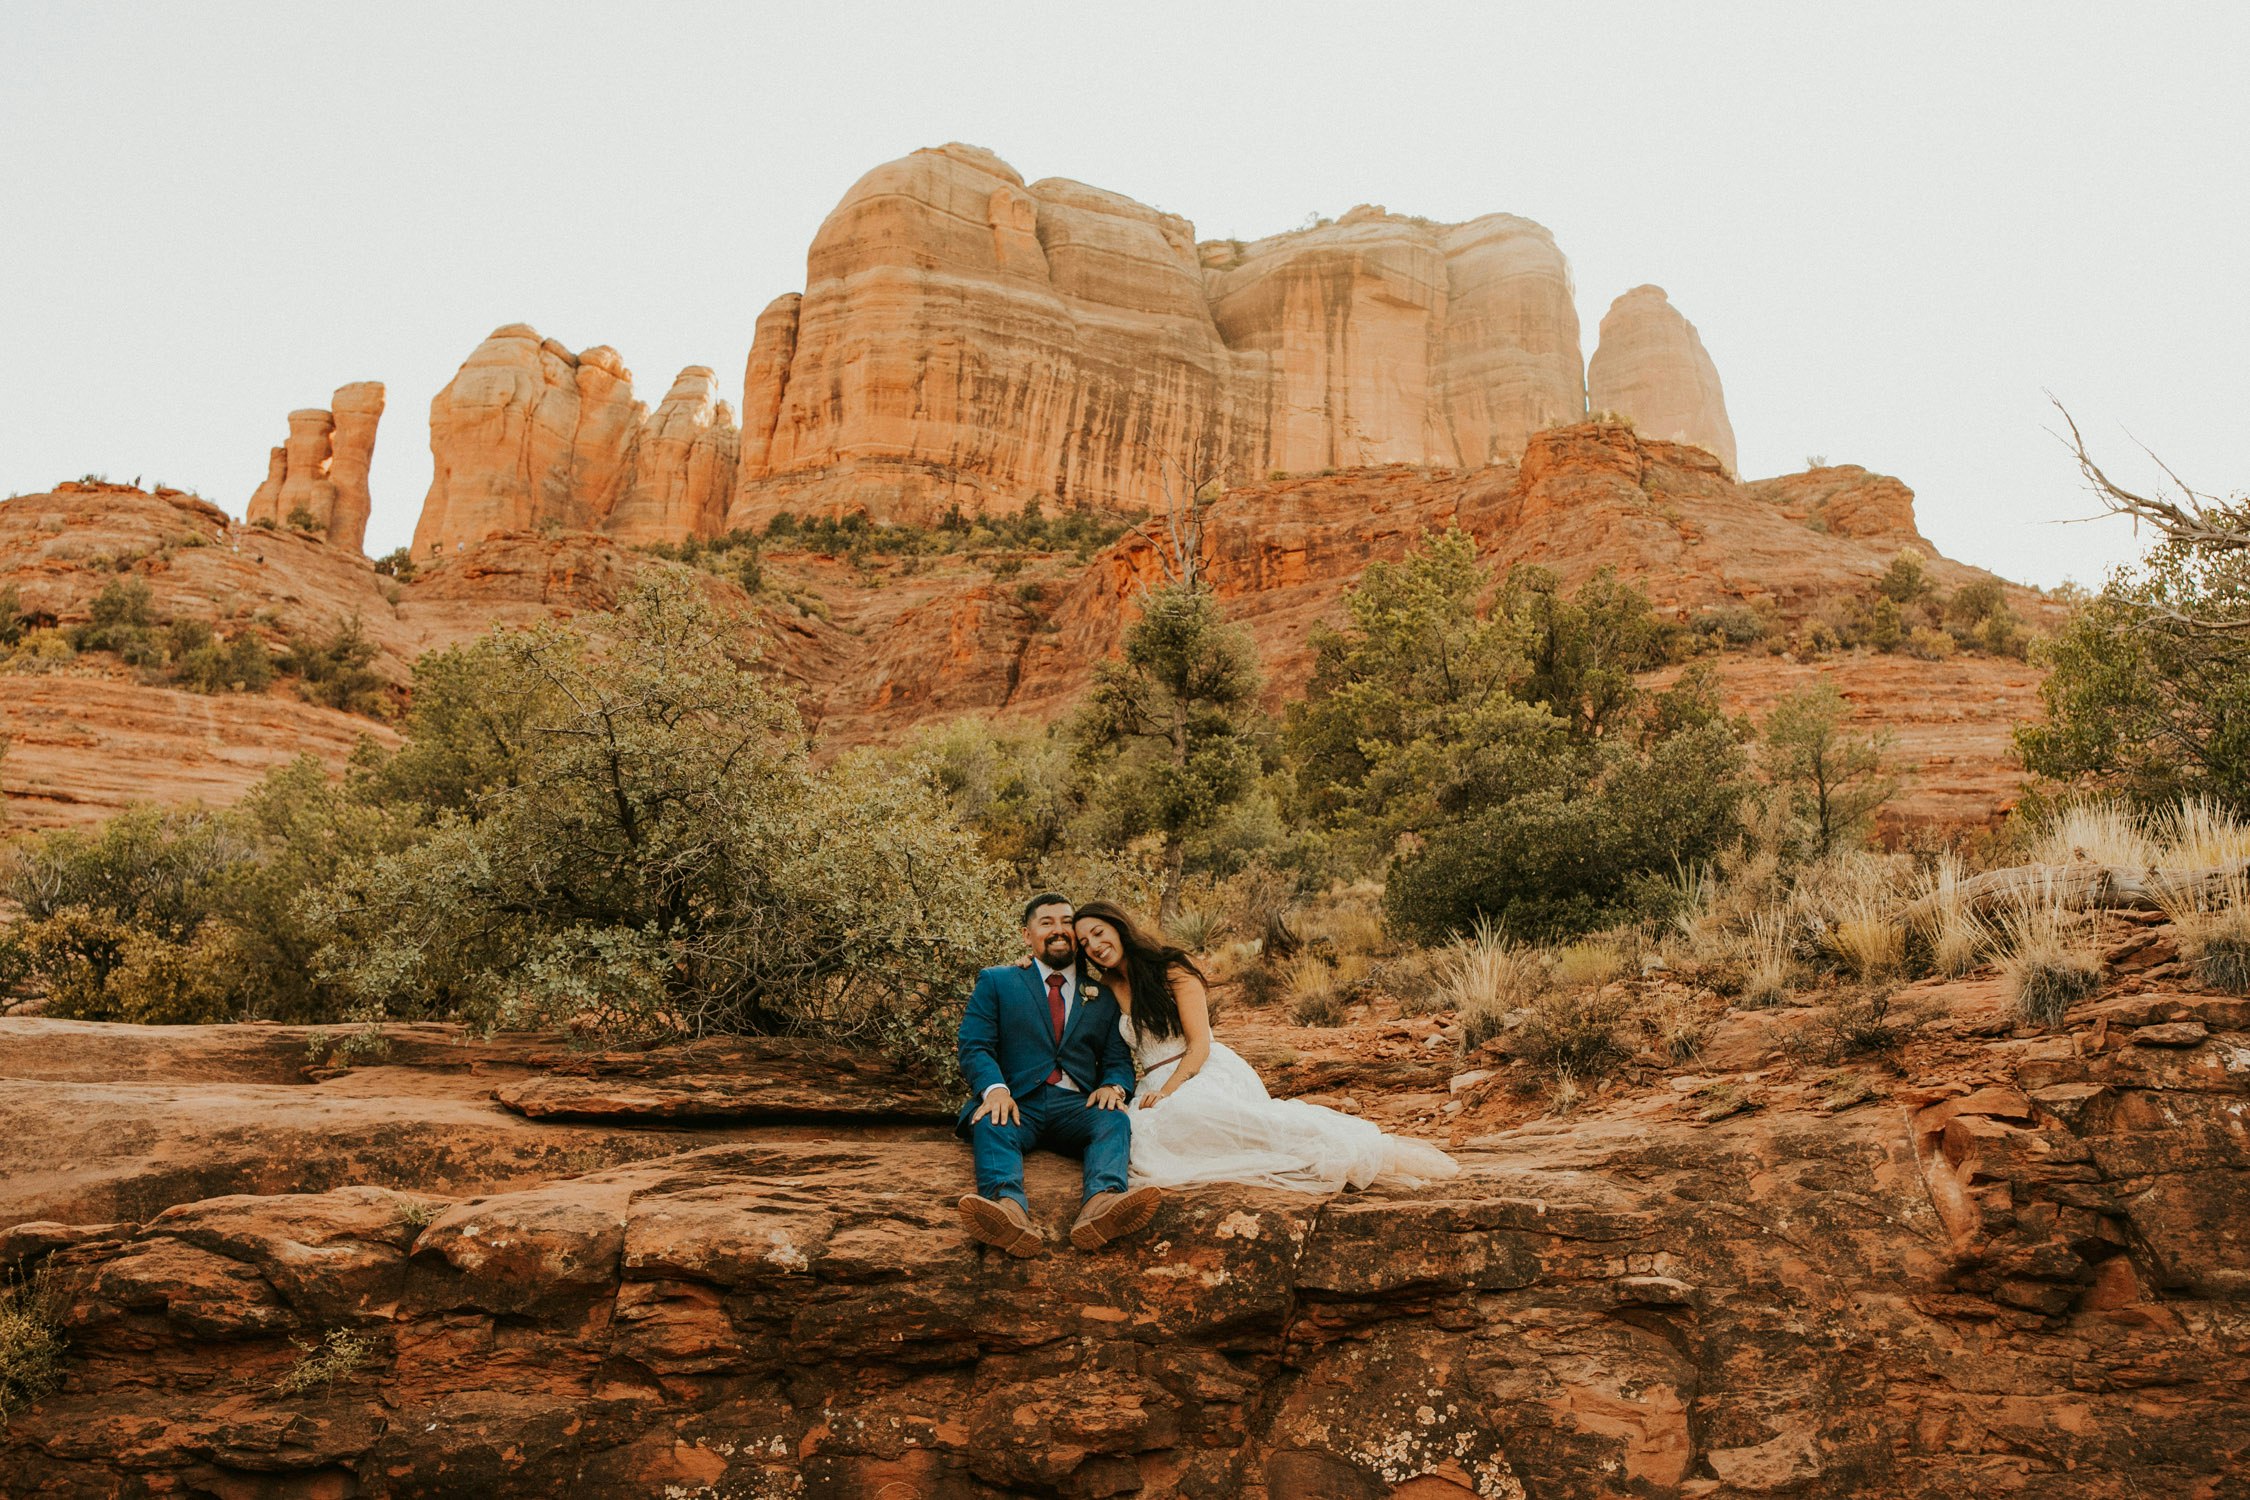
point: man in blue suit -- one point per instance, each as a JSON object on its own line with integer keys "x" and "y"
{"x": 1047, "y": 1066}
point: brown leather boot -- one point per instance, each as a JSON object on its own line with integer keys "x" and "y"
{"x": 1002, "y": 1224}
{"x": 1112, "y": 1216}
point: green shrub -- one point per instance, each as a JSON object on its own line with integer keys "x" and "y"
{"x": 335, "y": 670}
{"x": 31, "y": 1341}
{"x": 122, "y": 619}
{"x": 664, "y": 859}
{"x": 1511, "y": 754}
{"x": 1834, "y": 779}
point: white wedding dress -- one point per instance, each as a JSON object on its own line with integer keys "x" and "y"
{"x": 1222, "y": 1126}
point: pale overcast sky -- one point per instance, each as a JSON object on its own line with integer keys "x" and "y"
{"x": 1894, "y": 225}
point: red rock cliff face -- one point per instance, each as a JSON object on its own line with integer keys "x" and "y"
{"x": 966, "y": 339}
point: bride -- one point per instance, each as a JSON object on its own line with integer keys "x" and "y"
{"x": 1201, "y": 1114}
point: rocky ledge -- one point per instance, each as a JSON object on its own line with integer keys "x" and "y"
{"x": 2003, "y": 1263}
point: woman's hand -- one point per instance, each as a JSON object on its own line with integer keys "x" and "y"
{"x": 1148, "y": 1101}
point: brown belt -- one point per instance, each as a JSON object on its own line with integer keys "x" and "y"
{"x": 1163, "y": 1062}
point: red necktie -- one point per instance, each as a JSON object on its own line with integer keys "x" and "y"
{"x": 1055, "y": 1013}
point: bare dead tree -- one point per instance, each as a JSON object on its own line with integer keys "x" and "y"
{"x": 2193, "y": 519}
{"x": 1176, "y": 537}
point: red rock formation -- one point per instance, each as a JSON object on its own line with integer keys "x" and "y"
{"x": 526, "y": 436}
{"x": 357, "y": 408}
{"x": 964, "y": 339}
{"x": 320, "y": 475}
{"x": 683, "y": 464}
{"x": 529, "y": 437}
{"x": 1651, "y": 367}
{"x": 1995, "y": 1264}
{"x": 872, "y": 658}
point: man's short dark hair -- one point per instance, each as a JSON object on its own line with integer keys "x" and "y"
{"x": 1047, "y": 898}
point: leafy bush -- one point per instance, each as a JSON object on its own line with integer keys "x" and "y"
{"x": 1165, "y": 735}
{"x": 122, "y": 619}
{"x": 2147, "y": 694}
{"x": 335, "y": 669}
{"x": 661, "y": 857}
{"x": 1509, "y": 758}
{"x": 31, "y": 1341}
{"x": 1835, "y": 779}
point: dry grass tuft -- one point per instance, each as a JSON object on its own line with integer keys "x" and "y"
{"x": 1957, "y": 938}
{"x": 1868, "y": 936}
{"x": 2100, "y": 833}
{"x": 1311, "y": 985}
{"x": 340, "y": 1354}
{"x": 1675, "y": 1025}
{"x": 2201, "y": 835}
{"x": 2051, "y": 963}
{"x": 2213, "y": 926}
{"x": 1589, "y": 964}
{"x": 1772, "y": 965}
{"x": 1486, "y": 978}
{"x": 1573, "y": 1035}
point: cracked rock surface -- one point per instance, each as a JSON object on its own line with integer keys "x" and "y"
{"x": 2007, "y": 1263}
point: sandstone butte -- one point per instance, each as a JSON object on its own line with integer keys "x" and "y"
{"x": 321, "y": 472}
{"x": 2013, "y": 1265}
{"x": 529, "y": 437}
{"x": 873, "y": 654}
{"x": 965, "y": 339}
{"x": 1652, "y": 367}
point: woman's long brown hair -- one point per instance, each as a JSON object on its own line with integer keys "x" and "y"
{"x": 1149, "y": 962}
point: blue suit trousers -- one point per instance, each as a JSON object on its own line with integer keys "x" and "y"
{"x": 1060, "y": 1121}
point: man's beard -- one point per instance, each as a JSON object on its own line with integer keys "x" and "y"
{"x": 1059, "y": 950}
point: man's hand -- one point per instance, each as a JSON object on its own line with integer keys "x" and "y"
{"x": 1000, "y": 1108}
{"x": 1109, "y": 1096}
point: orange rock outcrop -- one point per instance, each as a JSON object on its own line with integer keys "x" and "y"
{"x": 531, "y": 437}
{"x": 1651, "y": 367}
{"x": 321, "y": 472}
{"x": 966, "y": 339}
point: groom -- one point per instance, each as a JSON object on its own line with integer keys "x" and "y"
{"x": 1047, "y": 1066}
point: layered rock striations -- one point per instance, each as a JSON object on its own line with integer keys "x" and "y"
{"x": 319, "y": 477}
{"x": 1652, "y": 368}
{"x": 967, "y": 339}
{"x": 531, "y": 437}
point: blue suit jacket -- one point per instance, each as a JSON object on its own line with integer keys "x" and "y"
{"x": 1008, "y": 1036}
